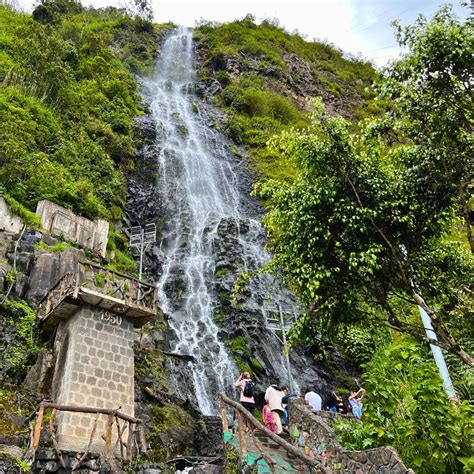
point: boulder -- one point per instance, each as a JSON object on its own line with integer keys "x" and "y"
{"x": 10, "y": 452}
{"x": 43, "y": 276}
{"x": 40, "y": 375}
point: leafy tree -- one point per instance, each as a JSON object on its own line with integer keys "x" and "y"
{"x": 430, "y": 90}
{"x": 50, "y": 11}
{"x": 356, "y": 240}
{"x": 361, "y": 232}
{"x": 407, "y": 408}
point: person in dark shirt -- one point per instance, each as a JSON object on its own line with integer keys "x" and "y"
{"x": 335, "y": 404}
{"x": 284, "y": 402}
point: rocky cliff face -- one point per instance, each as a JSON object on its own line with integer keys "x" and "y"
{"x": 241, "y": 321}
{"x": 297, "y": 81}
{"x": 37, "y": 268}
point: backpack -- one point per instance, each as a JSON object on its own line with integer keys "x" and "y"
{"x": 249, "y": 389}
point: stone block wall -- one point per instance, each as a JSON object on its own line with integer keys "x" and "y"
{"x": 8, "y": 221}
{"x": 62, "y": 222}
{"x": 311, "y": 431}
{"x": 94, "y": 368}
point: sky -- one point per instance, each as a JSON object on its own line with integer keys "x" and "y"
{"x": 355, "y": 26}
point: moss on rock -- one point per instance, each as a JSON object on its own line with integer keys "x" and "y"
{"x": 172, "y": 434}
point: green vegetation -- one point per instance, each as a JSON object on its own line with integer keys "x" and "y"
{"x": 240, "y": 351}
{"x": 258, "y": 101}
{"x": 67, "y": 100}
{"x": 24, "y": 346}
{"x": 121, "y": 258}
{"x": 360, "y": 234}
{"x": 408, "y": 409}
{"x": 369, "y": 230}
{"x": 7, "y": 406}
{"x": 168, "y": 420}
{"x": 58, "y": 247}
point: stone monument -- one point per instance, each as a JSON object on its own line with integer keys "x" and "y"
{"x": 93, "y": 313}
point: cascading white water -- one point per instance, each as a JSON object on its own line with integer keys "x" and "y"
{"x": 199, "y": 187}
{"x": 192, "y": 183}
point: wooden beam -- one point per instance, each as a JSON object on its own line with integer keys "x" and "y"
{"x": 81, "y": 409}
{"x": 242, "y": 440}
{"x": 223, "y": 416}
{"x": 130, "y": 440}
{"x": 108, "y": 437}
{"x": 38, "y": 427}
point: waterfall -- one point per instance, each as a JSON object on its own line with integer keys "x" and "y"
{"x": 200, "y": 187}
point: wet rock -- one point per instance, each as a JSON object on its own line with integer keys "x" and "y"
{"x": 24, "y": 261}
{"x": 39, "y": 377}
{"x": 22, "y": 283}
{"x": 49, "y": 240}
{"x": 10, "y": 452}
{"x": 207, "y": 469}
{"x": 68, "y": 261}
{"x": 42, "y": 277}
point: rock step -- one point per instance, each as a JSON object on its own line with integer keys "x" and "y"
{"x": 273, "y": 451}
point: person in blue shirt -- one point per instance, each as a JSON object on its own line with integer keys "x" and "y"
{"x": 355, "y": 401}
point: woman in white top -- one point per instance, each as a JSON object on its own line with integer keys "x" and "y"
{"x": 273, "y": 396}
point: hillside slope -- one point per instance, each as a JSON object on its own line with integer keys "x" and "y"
{"x": 262, "y": 78}
{"x": 68, "y": 96}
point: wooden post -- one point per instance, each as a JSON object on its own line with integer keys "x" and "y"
{"x": 130, "y": 440}
{"x": 242, "y": 440}
{"x": 62, "y": 286}
{"x": 48, "y": 303}
{"x": 108, "y": 436}
{"x": 76, "y": 283}
{"x": 53, "y": 439}
{"x": 223, "y": 416}
{"x": 141, "y": 434}
{"x": 38, "y": 427}
{"x": 106, "y": 282}
{"x": 131, "y": 291}
{"x": 119, "y": 436}
{"x": 155, "y": 297}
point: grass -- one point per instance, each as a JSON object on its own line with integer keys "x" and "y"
{"x": 68, "y": 97}
{"x": 258, "y": 104}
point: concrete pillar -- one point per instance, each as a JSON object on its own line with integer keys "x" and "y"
{"x": 94, "y": 368}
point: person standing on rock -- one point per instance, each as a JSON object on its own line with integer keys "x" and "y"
{"x": 355, "y": 401}
{"x": 273, "y": 396}
{"x": 247, "y": 388}
{"x": 313, "y": 400}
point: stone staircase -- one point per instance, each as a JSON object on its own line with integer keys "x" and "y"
{"x": 263, "y": 454}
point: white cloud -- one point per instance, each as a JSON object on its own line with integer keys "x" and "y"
{"x": 353, "y": 25}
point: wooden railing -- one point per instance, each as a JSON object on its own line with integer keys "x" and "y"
{"x": 242, "y": 412}
{"x": 131, "y": 291}
{"x": 119, "y": 285}
{"x": 134, "y": 445}
{"x": 66, "y": 285}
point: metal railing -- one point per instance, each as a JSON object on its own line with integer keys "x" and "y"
{"x": 242, "y": 412}
{"x": 134, "y": 444}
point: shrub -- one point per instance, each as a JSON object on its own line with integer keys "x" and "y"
{"x": 407, "y": 408}
{"x": 24, "y": 344}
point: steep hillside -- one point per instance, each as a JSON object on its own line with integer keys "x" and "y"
{"x": 68, "y": 97}
{"x": 263, "y": 77}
